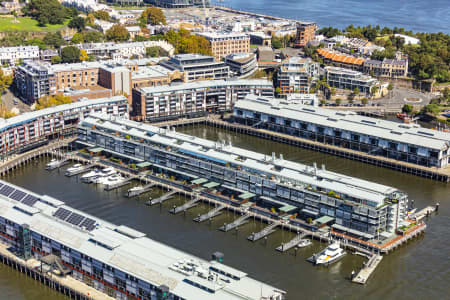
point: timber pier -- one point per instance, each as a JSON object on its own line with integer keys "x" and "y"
{"x": 210, "y": 214}
{"x": 236, "y": 223}
{"x": 292, "y": 243}
{"x": 263, "y": 233}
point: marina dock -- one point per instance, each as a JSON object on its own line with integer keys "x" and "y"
{"x": 145, "y": 189}
{"x": 238, "y": 222}
{"x": 424, "y": 212}
{"x": 61, "y": 163}
{"x": 185, "y": 206}
{"x": 161, "y": 199}
{"x": 263, "y": 233}
{"x": 292, "y": 243}
{"x": 210, "y": 214}
{"x": 367, "y": 270}
{"x": 109, "y": 187}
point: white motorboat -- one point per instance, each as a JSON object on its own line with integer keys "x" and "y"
{"x": 103, "y": 176}
{"x": 304, "y": 243}
{"x": 91, "y": 176}
{"x": 134, "y": 191}
{"x": 113, "y": 179}
{"x": 74, "y": 168}
{"x": 329, "y": 255}
{"x": 52, "y": 164}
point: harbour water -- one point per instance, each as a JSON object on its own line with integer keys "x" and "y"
{"x": 418, "y": 270}
{"x": 416, "y": 15}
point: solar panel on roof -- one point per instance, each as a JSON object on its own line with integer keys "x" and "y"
{"x": 6, "y": 190}
{"x": 62, "y": 213}
{"x": 30, "y": 200}
{"x": 17, "y": 195}
{"x": 88, "y": 223}
{"x": 75, "y": 219}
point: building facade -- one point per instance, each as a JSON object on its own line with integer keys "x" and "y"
{"x": 124, "y": 50}
{"x": 173, "y": 101}
{"x": 296, "y": 75}
{"x": 365, "y": 209}
{"x": 346, "y": 79}
{"x": 179, "y": 3}
{"x": 341, "y": 60}
{"x": 12, "y": 55}
{"x": 154, "y": 76}
{"x": 197, "y": 67}
{"x": 32, "y": 129}
{"x": 242, "y": 65}
{"x": 117, "y": 260}
{"x": 305, "y": 34}
{"x": 223, "y": 44}
{"x": 389, "y": 68}
{"x": 404, "y": 142}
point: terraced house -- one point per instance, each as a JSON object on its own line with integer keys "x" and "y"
{"x": 360, "y": 208}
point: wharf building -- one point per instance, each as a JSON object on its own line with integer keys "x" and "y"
{"x": 305, "y": 34}
{"x": 115, "y": 259}
{"x": 33, "y": 129}
{"x": 195, "y": 98}
{"x": 179, "y": 3}
{"x": 12, "y": 55}
{"x": 223, "y": 44}
{"x": 242, "y": 64}
{"x": 197, "y": 67}
{"x": 364, "y": 209}
{"x": 296, "y": 75}
{"x": 35, "y": 79}
{"x": 404, "y": 142}
{"x": 346, "y": 79}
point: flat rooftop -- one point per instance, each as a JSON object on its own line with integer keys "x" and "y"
{"x": 128, "y": 250}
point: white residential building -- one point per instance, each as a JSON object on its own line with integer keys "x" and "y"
{"x": 12, "y": 55}
{"x": 124, "y": 50}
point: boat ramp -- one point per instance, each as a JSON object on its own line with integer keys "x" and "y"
{"x": 367, "y": 269}
{"x": 263, "y": 233}
{"x": 161, "y": 199}
{"x": 238, "y": 222}
{"x": 210, "y": 214}
{"x": 292, "y": 243}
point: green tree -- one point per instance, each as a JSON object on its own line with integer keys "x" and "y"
{"x": 77, "y": 23}
{"x": 338, "y": 102}
{"x": 374, "y": 90}
{"x": 364, "y": 101}
{"x": 432, "y": 109}
{"x": 77, "y": 38}
{"x": 117, "y": 33}
{"x": 70, "y": 54}
{"x": 276, "y": 43}
{"x": 47, "y": 11}
{"x": 37, "y": 42}
{"x": 102, "y": 15}
{"x": 153, "y": 16}
{"x": 93, "y": 37}
{"x": 356, "y": 91}
{"x": 446, "y": 93}
{"x": 152, "y": 51}
{"x": 407, "y": 108}
{"x": 54, "y": 39}
{"x": 5, "y": 82}
{"x": 56, "y": 60}
{"x": 390, "y": 88}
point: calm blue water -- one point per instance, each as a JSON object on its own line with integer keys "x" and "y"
{"x": 415, "y": 15}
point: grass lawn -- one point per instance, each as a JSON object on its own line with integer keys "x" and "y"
{"x": 27, "y": 24}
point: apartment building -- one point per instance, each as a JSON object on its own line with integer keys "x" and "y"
{"x": 404, "y": 142}
{"x": 197, "y": 67}
{"x": 296, "y": 75}
{"x": 196, "y": 98}
{"x": 305, "y": 34}
{"x": 118, "y": 261}
{"x": 12, "y": 55}
{"x": 35, "y": 79}
{"x": 154, "y": 76}
{"x": 346, "y": 79}
{"x": 223, "y": 44}
{"x": 361, "y": 208}
{"x": 242, "y": 64}
{"x": 32, "y": 129}
{"x": 388, "y": 68}
{"x": 124, "y": 50}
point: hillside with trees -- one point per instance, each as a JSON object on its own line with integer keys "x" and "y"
{"x": 48, "y": 12}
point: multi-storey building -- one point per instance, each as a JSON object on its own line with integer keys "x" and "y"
{"x": 404, "y": 142}
{"x": 242, "y": 64}
{"x": 305, "y": 34}
{"x": 197, "y": 67}
{"x": 338, "y": 59}
{"x": 296, "y": 75}
{"x": 172, "y": 101}
{"x": 346, "y": 79}
{"x": 124, "y": 50}
{"x": 35, "y": 79}
{"x": 390, "y": 68}
{"x": 12, "y": 55}
{"x": 31, "y": 129}
{"x": 223, "y": 44}
{"x": 360, "y": 208}
{"x": 180, "y": 3}
{"x": 117, "y": 260}
{"x": 154, "y": 76}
